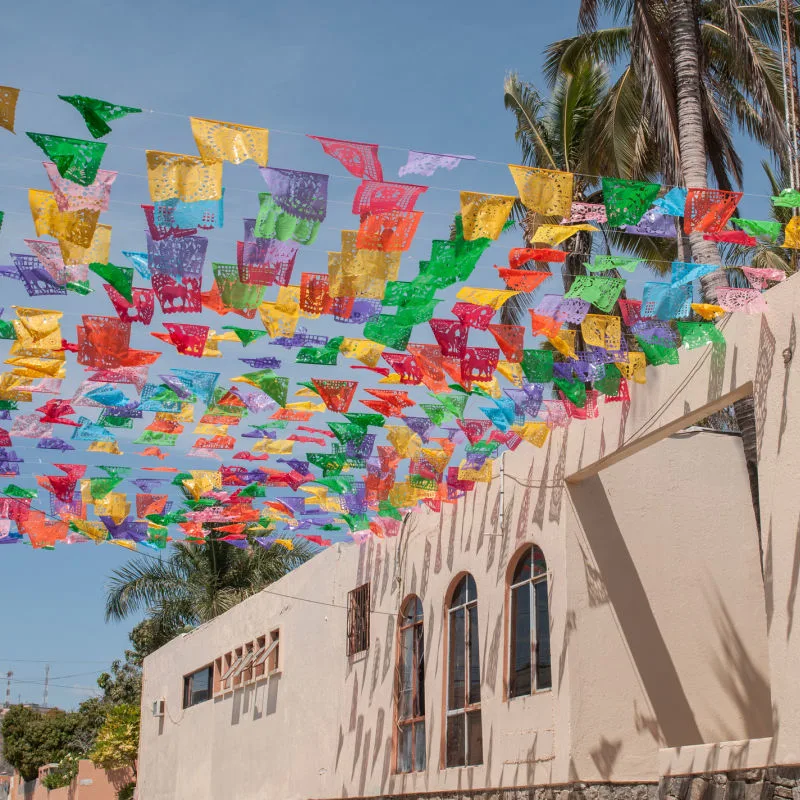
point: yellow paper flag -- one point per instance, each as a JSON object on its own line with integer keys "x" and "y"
{"x": 555, "y": 234}
{"x": 485, "y": 297}
{"x": 227, "y": 141}
{"x": 483, "y": 215}
{"x": 188, "y": 178}
{"x": 8, "y": 107}
{"x": 547, "y": 192}
{"x": 602, "y": 330}
{"x": 77, "y": 227}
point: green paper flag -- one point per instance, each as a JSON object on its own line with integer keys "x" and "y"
{"x": 759, "y": 227}
{"x": 12, "y": 490}
{"x": 575, "y": 391}
{"x": 79, "y": 287}
{"x": 7, "y": 330}
{"x": 606, "y": 263}
{"x": 348, "y": 432}
{"x": 329, "y": 463}
{"x": 77, "y": 160}
{"x": 386, "y": 509}
{"x": 788, "y": 198}
{"x": 365, "y": 420}
{"x": 435, "y": 413}
{"x": 626, "y": 201}
{"x": 658, "y": 354}
{"x": 2, "y": 214}
{"x": 121, "y": 278}
{"x": 609, "y": 383}
{"x": 100, "y": 487}
{"x": 157, "y": 437}
{"x": 697, "y": 334}
{"x": 97, "y": 113}
{"x": 343, "y": 485}
{"x": 600, "y": 292}
{"x": 245, "y": 335}
{"x": 537, "y": 365}
{"x": 321, "y": 356}
{"x": 235, "y": 293}
{"x": 455, "y": 404}
{"x": 385, "y": 329}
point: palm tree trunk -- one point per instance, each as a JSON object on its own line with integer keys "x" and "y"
{"x": 691, "y": 136}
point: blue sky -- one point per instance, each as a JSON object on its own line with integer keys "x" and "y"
{"x": 421, "y": 74}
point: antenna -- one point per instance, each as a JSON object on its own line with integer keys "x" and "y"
{"x": 46, "y": 683}
{"x": 9, "y": 676}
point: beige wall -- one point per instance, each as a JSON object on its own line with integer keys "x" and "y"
{"x": 660, "y": 633}
{"x": 91, "y": 783}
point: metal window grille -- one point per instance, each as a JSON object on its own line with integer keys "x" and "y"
{"x": 358, "y": 620}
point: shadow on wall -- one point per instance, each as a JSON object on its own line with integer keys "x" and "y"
{"x": 740, "y": 678}
{"x": 632, "y": 608}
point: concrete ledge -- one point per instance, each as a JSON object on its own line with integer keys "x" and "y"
{"x": 715, "y": 757}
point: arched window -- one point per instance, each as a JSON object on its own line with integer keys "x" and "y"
{"x": 464, "y": 734}
{"x": 411, "y": 689}
{"x": 530, "y": 625}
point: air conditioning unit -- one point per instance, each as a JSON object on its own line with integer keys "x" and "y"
{"x": 159, "y": 707}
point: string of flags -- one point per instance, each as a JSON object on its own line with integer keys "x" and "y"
{"x": 322, "y": 454}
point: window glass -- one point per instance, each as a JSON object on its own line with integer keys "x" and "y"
{"x": 411, "y": 688}
{"x": 529, "y": 629}
{"x": 197, "y": 687}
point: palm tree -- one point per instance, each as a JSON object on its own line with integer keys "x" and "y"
{"x": 196, "y": 583}
{"x": 708, "y": 65}
{"x": 587, "y": 127}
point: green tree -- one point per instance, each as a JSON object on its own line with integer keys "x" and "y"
{"x": 32, "y": 739}
{"x": 117, "y": 744}
{"x": 196, "y": 583}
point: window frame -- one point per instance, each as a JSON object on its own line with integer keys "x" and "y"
{"x": 358, "y": 619}
{"x": 411, "y": 721}
{"x": 527, "y": 551}
{"x": 188, "y": 680}
{"x": 468, "y": 707}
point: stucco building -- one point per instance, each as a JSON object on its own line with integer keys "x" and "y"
{"x": 619, "y": 621}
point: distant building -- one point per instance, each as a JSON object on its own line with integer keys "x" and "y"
{"x": 91, "y": 783}
{"x": 605, "y": 620}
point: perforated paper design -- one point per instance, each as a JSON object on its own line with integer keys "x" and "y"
{"x": 235, "y": 292}
{"x": 228, "y": 141}
{"x": 266, "y": 261}
{"x": 275, "y": 223}
{"x": 391, "y": 231}
{"x": 555, "y": 234}
{"x": 747, "y": 301}
{"x": 177, "y": 296}
{"x": 479, "y": 363}
{"x": 708, "y": 210}
{"x": 761, "y": 278}
{"x": 374, "y": 197}
{"x": 188, "y": 178}
{"x": 74, "y": 197}
{"x": 473, "y": 316}
{"x": 653, "y": 224}
{"x": 420, "y": 163}
{"x": 607, "y": 263}
{"x": 586, "y": 212}
{"x": 626, "y": 201}
{"x": 77, "y": 160}
{"x": 177, "y": 256}
{"x": 302, "y": 194}
{"x": 665, "y": 301}
{"x": 357, "y": 158}
{"x": 98, "y": 113}
{"x": 76, "y": 227}
{"x": 523, "y": 280}
{"x": 599, "y": 291}
{"x": 684, "y": 273}
{"x": 484, "y": 215}
{"x": 8, "y": 107}
{"x": 602, "y": 330}
{"x": 547, "y": 192}
{"x": 36, "y": 278}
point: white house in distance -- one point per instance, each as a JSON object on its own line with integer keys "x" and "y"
{"x": 618, "y": 625}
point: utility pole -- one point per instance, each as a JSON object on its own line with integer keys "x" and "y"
{"x": 9, "y": 676}
{"x": 46, "y": 684}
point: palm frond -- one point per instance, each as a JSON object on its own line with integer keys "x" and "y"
{"x": 609, "y": 45}
{"x": 525, "y": 103}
